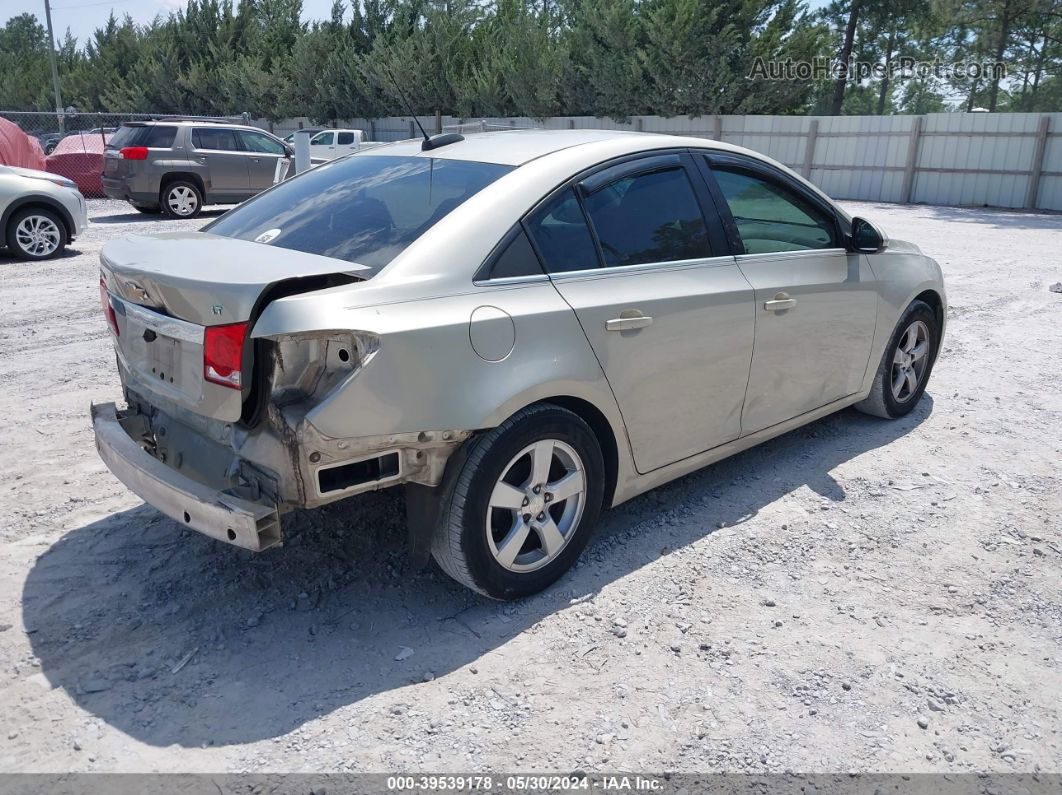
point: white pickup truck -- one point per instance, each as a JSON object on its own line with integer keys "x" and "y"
{"x": 327, "y": 145}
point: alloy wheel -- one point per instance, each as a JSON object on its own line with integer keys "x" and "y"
{"x": 182, "y": 200}
{"x": 910, "y": 360}
{"x": 38, "y": 235}
{"x": 536, "y": 505}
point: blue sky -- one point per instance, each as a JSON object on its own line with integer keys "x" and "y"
{"x": 82, "y": 17}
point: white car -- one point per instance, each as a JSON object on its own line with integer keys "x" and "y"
{"x": 40, "y": 212}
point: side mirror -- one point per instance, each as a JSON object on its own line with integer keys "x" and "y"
{"x": 866, "y": 237}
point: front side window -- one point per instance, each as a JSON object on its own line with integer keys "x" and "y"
{"x": 364, "y": 209}
{"x": 770, "y": 218}
{"x": 215, "y": 139}
{"x": 322, "y": 139}
{"x": 650, "y": 217}
{"x": 260, "y": 142}
{"x": 561, "y": 235}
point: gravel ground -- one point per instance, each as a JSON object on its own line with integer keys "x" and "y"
{"x": 858, "y": 595}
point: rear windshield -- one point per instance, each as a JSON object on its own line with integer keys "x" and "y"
{"x": 364, "y": 209}
{"x": 157, "y": 135}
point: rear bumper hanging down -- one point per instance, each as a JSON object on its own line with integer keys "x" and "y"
{"x": 247, "y": 524}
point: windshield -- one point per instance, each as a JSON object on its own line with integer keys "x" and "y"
{"x": 363, "y": 209}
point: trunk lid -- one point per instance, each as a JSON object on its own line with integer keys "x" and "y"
{"x": 208, "y": 279}
{"x": 165, "y": 290}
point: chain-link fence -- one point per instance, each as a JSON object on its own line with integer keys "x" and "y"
{"x": 72, "y": 144}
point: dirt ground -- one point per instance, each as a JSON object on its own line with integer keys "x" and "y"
{"x": 858, "y": 595}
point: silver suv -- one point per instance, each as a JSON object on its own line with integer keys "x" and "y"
{"x": 177, "y": 165}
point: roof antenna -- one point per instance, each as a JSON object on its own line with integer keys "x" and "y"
{"x": 430, "y": 141}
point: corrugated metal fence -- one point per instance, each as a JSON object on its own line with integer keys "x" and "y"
{"x": 981, "y": 159}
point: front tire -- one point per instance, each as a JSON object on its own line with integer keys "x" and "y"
{"x": 520, "y": 503}
{"x": 906, "y": 364}
{"x": 36, "y": 233}
{"x": 181, "y": 199}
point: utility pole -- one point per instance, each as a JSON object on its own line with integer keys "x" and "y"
{"x": 51, "y": 59}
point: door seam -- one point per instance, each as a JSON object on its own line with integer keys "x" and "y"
{"x": 752, "y": 355}
{"x": 604, "y": 375}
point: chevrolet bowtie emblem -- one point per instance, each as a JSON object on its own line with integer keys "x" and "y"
{"x": 137, "y": 292}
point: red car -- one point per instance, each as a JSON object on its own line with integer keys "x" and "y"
{"x": 79, "y": 156}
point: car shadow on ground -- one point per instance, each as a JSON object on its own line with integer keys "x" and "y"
{"x": 7, "y": 258}
{"x": 173, "y": 638}
{"x": 136, "y": 217}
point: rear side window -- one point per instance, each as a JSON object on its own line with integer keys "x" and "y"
{"x": 214, "y": 138}
{"x": 561, "y": 235}
{"x": 651, "y": 217}
{"x": 160, "y": 136}
{"x": 364, "y": 209}
{"x": 516, "y": 259}
{"x": 345, "y": 139}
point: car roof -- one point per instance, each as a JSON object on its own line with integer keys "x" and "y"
{"x": 512, "y": 147}
{"x": 171, "y": 120}
{"x": 517, "y": 147}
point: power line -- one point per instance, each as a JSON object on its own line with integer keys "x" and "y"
{"x": 90, "y": 5}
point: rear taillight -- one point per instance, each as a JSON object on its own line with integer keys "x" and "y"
{"x": 133, "y": 153}
{"x": 108, "y": 309}
{"x": 223, "y": 354}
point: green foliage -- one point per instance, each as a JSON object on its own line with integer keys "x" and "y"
{"x": 24, "y": 75}
{"x": 537, "y": 58}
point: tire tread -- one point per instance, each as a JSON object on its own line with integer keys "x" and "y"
{"x": 446, "y": 545}
{"x": 874, "y": 404}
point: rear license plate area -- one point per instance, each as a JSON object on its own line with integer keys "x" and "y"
{"x": 169, "y": 364}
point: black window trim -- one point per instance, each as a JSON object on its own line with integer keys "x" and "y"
{"x": 722, "y": 233}
{"x": 707, "y": 158}
{"x": 646, "y": 161}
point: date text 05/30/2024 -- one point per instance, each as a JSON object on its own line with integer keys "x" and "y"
{"x": 511, "y": 783}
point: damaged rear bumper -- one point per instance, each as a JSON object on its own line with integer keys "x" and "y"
{"x": 249, "y": 524}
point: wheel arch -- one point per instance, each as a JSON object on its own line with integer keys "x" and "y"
{"x": 187, "y": 176}
{"x": 935, "y": 301}
{"x": 602, "y": 429}
{"x": 41, "y": 201}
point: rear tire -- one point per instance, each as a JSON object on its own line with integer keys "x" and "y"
{"x": 36, "y": 233}
{"x": 906, "y": 365}
{"x": 519, "y": 503}
{"x": 181, "y": 199}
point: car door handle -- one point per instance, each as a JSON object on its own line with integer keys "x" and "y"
{"x": 628, "y": 323}
{"x": 780, "y": 303}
